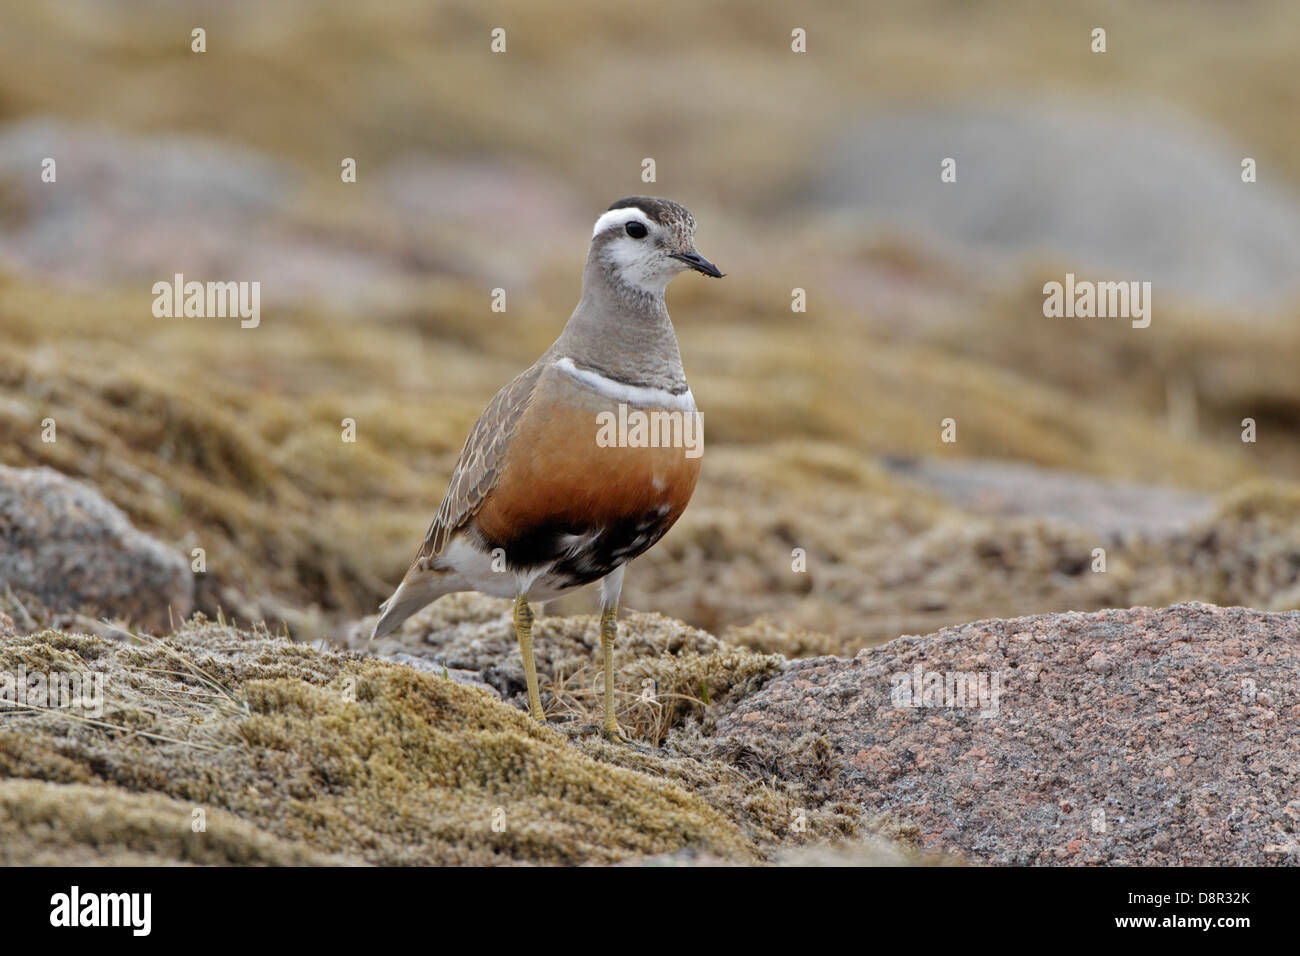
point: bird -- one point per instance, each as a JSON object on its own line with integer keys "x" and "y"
{"x": 553, "y": 489}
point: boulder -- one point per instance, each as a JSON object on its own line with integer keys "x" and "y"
{"x": 66, "y": 545}
{"x": 1139, "y": 737}
{"x": 1119, "y": 191}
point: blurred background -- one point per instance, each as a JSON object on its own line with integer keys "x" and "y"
{"x": 817, "y": 170}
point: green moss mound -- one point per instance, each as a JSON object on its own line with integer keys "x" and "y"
{"x": 44, "y": 824}
{"x": 365, "y": 760}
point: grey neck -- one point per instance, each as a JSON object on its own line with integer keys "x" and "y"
{"x": 622, "y": 333}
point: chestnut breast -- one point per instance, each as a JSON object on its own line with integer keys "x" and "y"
{"x": 580, "y": 467}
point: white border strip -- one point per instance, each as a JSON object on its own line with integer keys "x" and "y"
{"x": 622, "y": 216}
{"x": 638, "y": 395}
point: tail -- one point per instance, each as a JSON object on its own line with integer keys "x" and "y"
{"x": 417, "y": 589}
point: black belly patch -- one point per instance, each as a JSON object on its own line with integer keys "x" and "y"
{"x": 580, "y": 555}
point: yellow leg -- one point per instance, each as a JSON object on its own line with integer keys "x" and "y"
{"x": 524, "y": 631}
{"x": 608, "y": 633}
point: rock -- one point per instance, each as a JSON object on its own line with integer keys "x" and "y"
{"x": 125, "y": 207}
{"x": 1100, "y": 664}
{"x": 1139, "y": 736}
{"x": 869, "y": 851}
{"x": 66, "y": 545}
{"x": 471, "y": 678}
{"x": 124, "y": 210}
{"x": 495, "y": 209}
{"x": 1013, "y": 489}
{"x": 1132, "y": 191}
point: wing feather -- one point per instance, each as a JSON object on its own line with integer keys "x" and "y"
{"x": 478, "y": 467}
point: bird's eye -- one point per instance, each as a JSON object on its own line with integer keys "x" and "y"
{"x": 636, "y": 230}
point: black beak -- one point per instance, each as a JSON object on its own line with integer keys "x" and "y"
{"x": 698, "y": 263}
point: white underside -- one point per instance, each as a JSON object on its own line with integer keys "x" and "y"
{"x": 473, "y": 570}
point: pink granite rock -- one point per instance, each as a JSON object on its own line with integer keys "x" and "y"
{"x": 1141, "y": 736}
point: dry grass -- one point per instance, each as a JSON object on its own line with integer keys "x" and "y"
{"x": 228, "y": 439}
{"x": 46, "y": 824}
{"x": 297, "y": 755}
{"x": 372, "y": 761}
{"x": 291, "y": 516}
{"x": 412, "y": 74}
{"x": 215, "y": 437}
{"x": 667, "y": 674}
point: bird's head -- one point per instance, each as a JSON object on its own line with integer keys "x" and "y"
{"x": 642, "y": 243}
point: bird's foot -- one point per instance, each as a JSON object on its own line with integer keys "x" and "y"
{"x": 612, "y": 732}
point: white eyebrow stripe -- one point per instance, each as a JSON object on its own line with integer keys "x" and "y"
{"x": 621, "y": 216}
{"x": 638, "y": 395}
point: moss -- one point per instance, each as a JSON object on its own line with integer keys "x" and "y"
{"x": 665, "y": 671}
{"x": 48, "y": 824}
{"x": 1273, "y": 503}
{"x": 371, "y": 760}
{"x": 767, "y": 637}
{"x": 1248, "y": 554}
